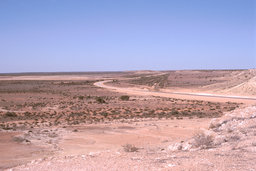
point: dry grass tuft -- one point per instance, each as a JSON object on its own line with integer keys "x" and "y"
{"x": 202, "y": 140}
{"x": 125, "y": 98}
{"x": 130, "y": 148}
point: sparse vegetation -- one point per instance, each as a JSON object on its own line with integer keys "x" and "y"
{"x": 100, "y": 100}
{"x": 125, "y": 98}
{"x": 11, "y": 114}
{"x": 42, "y": 107}
{"x": 81, "y": 97}
{"x": 130, "y": 148}
{"x": 202, "y": 140}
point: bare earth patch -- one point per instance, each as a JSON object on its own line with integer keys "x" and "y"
{"x": 229, "y": 154}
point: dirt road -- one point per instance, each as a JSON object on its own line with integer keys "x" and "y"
{"x": 182, "y": 95}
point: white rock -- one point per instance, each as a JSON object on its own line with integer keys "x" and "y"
{"x": 175, "y": 147}
{"x": 171, "y": 165}
{"x": 187, "y": 146}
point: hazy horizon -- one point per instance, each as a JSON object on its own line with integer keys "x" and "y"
{"x": 92, "y": 36}
{"x": 109, "y": 71}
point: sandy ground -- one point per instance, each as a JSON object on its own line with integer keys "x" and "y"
{"x": 102, "y": 138}
{"x": 112, "y": 136}
{"x": 231, "y": 148}
{"x": 13, "y": 153}
{"x": 182, "y": 95}
{"x": 60, "y": 125}
{"x": 148, "y": 159}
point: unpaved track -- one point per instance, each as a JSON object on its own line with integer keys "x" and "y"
{"x": 182, "y": 95}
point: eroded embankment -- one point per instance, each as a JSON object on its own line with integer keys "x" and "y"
{"x": 234, "y": 131}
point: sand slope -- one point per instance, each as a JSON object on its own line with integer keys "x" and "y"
{"x": 239, "y": 83}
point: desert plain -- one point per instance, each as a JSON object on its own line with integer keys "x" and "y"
{"x": 132, "y": 120}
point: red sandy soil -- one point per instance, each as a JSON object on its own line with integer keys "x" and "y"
{"x": 65, "y": 122}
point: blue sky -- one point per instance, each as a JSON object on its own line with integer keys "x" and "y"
{"x": 80, "y": 35}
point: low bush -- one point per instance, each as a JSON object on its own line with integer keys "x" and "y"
{"x": 100, "y": 100}
{"x": 202, "y": 140}
{"x": 130, "y": 148}
{"x": 11, "y": 114}
{"x": 80, "y": 97}
{"x": 125, "y": 98}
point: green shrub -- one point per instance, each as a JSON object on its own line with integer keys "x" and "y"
{"x": 10, "y": 114}
{"x": 100, "y": 100}
{"x": 104, "y": 114}
{"x": 175, "y": 112}
{"x": 80, "y": 97}
{"x": 125, "y": 98}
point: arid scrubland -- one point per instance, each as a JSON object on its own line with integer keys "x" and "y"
{"x": 55, "y": 123}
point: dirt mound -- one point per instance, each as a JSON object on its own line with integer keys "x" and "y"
{"x": 239, "y": 83}
{"x": 234, "y": 131}
{"x": 247, "y": 88}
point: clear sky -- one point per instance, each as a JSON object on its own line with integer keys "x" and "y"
{"x": 107, "y": 35}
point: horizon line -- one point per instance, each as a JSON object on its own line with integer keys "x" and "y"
{"x": 111, "y": 71}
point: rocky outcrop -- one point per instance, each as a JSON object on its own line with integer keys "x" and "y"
{"x": 234, "y": 131}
